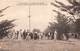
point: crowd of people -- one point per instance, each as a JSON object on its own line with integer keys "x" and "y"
{"x": 25, "y": 35}
{"x": 34, "y": 35}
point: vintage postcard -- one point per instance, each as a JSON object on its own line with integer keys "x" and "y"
{"x": 39, "y": 25}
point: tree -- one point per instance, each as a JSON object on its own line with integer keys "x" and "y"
{"x": 77, "y": 28}
{"x": 3, "y": 24}
{"x": 77, "y": 23}
{"x": 73, "y": 10}
{"x": 50, "y": 28}
{"x": 5, "y": 27}
{"x": 62, "y": 27}
{"x": 2, "y": 10}
{"x": 36, "y": 30}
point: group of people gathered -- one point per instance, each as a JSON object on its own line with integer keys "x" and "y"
{"x": 25, "y": 35}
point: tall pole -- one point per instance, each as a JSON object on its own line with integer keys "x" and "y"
{"x": 29, "y": 19}
{"x": 31, "y": 4}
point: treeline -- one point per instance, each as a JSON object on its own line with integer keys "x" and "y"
{"x": 67, "y": 24}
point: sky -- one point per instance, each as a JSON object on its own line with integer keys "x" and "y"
{"x": 41, "y": 15}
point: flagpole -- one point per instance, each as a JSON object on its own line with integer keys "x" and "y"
{"x": 29, "y": 16}
{"x": 29, "y": 19}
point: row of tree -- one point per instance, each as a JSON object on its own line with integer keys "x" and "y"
{"x": 66, "y": 24}
{"x": 5, "y": 25}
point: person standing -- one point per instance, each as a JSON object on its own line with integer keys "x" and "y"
{"x": 20, "y": 33}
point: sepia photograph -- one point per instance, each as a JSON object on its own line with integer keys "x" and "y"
{"x": 39, "y": 25}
